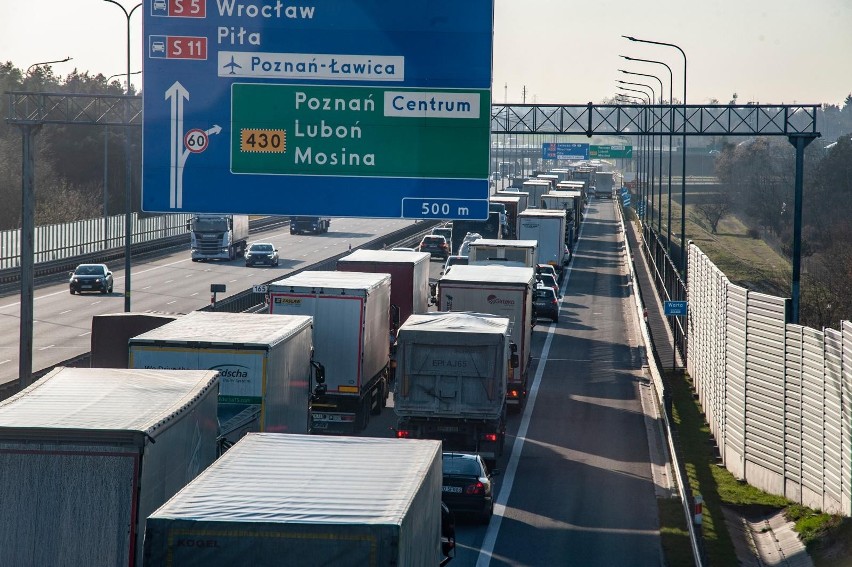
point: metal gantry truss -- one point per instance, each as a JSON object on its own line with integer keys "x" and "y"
{"x": 627, "y": 119}
{"x": 65, "y": 108}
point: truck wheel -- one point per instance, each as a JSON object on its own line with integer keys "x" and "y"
{"x": 232, "y": 254}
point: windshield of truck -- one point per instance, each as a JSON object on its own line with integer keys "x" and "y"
{"x": 209, "y": 225}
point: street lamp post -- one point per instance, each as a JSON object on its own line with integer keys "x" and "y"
{"x": 128, "y": 232}
{"x": 652, "y": 96}
{"x": 643, "y": 185}
{"x": 683, "y": 148}
{"x": 640, "y": 152}
{"x": 47, "y": 63}
{"x": 660, "y": 192}
{"x": 671, "y": 129}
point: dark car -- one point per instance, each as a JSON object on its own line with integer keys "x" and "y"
{"x": 90, "y": 277}
{"x": 549, "y": 281}
{"x": 545, "y": 303}
{"x": 468, "y": 486}
{"x": 435, "y": 245}
{"x": 261, "y": 253}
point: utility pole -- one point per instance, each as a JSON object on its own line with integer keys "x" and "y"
{"x": 524, "y": 94}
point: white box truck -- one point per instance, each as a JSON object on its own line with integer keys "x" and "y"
{"x": 499, "y": 290}
{"x": 522, "y": 253}
{"x": 453, "y": 381}
{"x": 218, "y": 237}
{"x": 351, "y": 339}
{"x": 536, "y": 188}
{"x": 264, "y": 366}
{"x": 86, "y": 454}
{"x": 548, "y": 228}
{"x": 306, "y": 500}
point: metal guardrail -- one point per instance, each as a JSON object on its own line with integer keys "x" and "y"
{"x": 248, "y": 301}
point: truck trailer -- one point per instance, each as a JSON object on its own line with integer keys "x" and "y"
{"x": 86, "y": 454}
{"x": 536, "y": 188}
{"x": 112, "y": 331}
{"x": 351, "y": 338}
{"x": 503, "y": 291}
{"x": 512, "y": 206}
{"x": 548, "y": 228}
{"x": 218, "y": 237}
{"x": 453, "y": 375}
{"x": 503, "y": 252}
{"x": 306, "y": 500}
{"x": 264, "y": 365}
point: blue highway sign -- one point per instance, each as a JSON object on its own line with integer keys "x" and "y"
{"x": 355, "y": 108}
{"x": 674, "y": 308}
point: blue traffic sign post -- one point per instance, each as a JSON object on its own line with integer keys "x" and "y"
{"x": 344, "y": 108}
{"x": 674, "y": 309}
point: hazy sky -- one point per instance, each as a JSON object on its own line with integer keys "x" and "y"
{"x": 562, "y": 51}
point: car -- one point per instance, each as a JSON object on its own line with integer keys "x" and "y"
{"x": 547, "y": 269}
{"x": 549, "y": 281}
{"x": 545, "y": 303}
{"x": 445, "y": 231}
{"x": 90, "y": 277}
{"x": 453, "y": 261}
{"x": 435, "y": 245}
{"x": 468, "y": 486}
{"x": 261, "y": 253}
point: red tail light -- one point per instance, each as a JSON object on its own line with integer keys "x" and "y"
{"x": 554, "y": 301}
{"x": 513, "y": 393}
{"x": 402, "y": 434}
{"x": 475, "y": 488}
{"x": 490, "y": 437}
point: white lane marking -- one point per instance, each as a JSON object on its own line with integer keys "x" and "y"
{"x": 5, "y": 361}
{"x": 170, "y": 302}
{"x": 168, "y": 281}
{"x": 490, "y": 539}
{"x": 95, "y": 302}
{"x": 86, "y": 333}
{"x": 47, "y": 347}
{"x": 188, "y": 275}
{"x": 193, "y": 294}
{"x": 64, "y": 312}
{"x": 146, "y": 287}
{"x": 231, "y": 281}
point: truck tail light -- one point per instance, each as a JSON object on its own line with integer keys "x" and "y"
{"x": 475, "y": 488}
{"x": 492, "y": 437}
{"x": 403, "y": 434}
{"x": 513, "y": 393}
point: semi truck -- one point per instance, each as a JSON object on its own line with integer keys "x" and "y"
{"x": 306, "y": 500}
{"x": 503, "y": 291}
{"x": 503, "y": 252}
{"x": 112, "y": 331}
{"x": 454, "y": 371}
{"x": 218, "y": 237}
{"x": 523, "y": 198}
{"x": 409, "y": 291}
{"x": 512, "y": 206}
{"x": 265, "y": 366}
{"x": 351, "y": 312}
{"x": 548, "y": 228}
{"x": 313, "y": 225}
{"x": 604, "y": 184}
{"x": 88, "y": 453}
{"x": 489, "y": 228}
{"x": 536, "y": 188}
{"x": 569, "y": 201}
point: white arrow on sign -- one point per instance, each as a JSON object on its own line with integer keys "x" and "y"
{"x": 177, "y": 93}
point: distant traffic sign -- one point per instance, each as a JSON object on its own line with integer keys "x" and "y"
{"x": 564, "y": 151}
{"x": 318, "y": 109}
{"x": 674, "y": 308}
{"x": 612, "y": 151}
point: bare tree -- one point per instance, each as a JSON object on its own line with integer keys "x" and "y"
{"x": 714, "y": 208}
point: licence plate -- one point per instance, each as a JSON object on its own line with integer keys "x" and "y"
{"x": 86, "y": 285}
{"x": 451, "y": 489}
{"x": 447, "y": 428}
{"x": 320, "y": 425}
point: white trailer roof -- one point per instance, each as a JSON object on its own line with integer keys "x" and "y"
{"x": 251, "y": 329}
{"x": 539, "y": 213}
{"x": 387, "y": 256}
{"x": 501, "y": 198}
{"x": 457, "y": 322}
{"x": 501, "y": 243}
{"x": 105, "y": 399}
{"x": 490, "y": 274}
{"x": 307, "y": 479}
{"x": 332, "y": 280}
{"x": 537, "y": 182}
{"x": 566, "y": 194}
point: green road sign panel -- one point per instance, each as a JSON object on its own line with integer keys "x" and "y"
{"x": 604, "y": 152}
{"x": 359, "y": 131}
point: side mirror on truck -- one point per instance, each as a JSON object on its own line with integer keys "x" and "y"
{"x": 395, "y": 316}
{"x": 319, "y": 377}
{"x": 515, "y": 360}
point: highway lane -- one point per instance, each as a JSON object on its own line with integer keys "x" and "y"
{"x": 171, "y": 283}
{"x": 576, "y": 484}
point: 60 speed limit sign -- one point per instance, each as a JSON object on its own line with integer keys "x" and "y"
{"x": 195, "y": 140}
